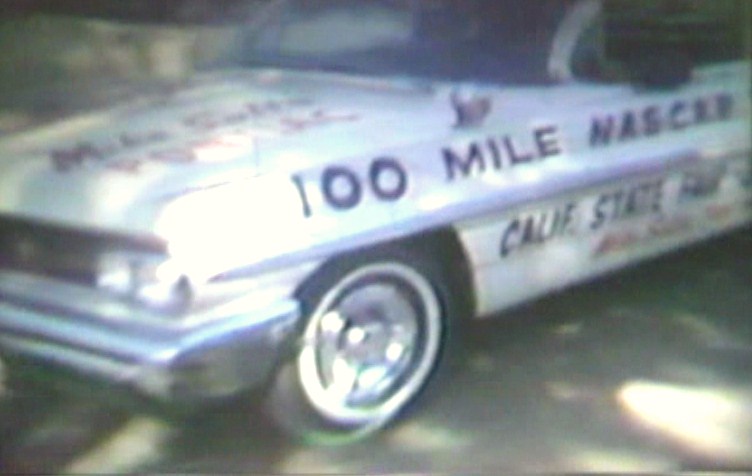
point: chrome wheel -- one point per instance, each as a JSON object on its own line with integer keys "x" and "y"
{"x": 370, "y": 344}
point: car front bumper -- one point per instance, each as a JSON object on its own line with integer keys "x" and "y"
{"x": 214, "y": 353}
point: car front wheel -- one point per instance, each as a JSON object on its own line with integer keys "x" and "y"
{"x": 371, "y": 341}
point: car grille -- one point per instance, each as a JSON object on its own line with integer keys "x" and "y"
{"x": 60, "y": 252}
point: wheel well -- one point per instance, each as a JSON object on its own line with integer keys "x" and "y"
{"x": 441, "y": 246}
{"x": 444, "y": 244}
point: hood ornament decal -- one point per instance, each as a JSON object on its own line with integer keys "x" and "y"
{"x": 471, "y": 108}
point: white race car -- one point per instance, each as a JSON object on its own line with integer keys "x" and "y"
{"x": 374, "y": 172}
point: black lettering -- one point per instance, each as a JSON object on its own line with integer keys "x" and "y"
{"x": 678, "y": 109}
{"x": 600, "y": 212}
{"x": 300, "y": 186}
{"x": 547, "y": 226}
{"x": 701, "y": 111}
{"x": 470, "y": 164}
{"x": 657, "y": 196}
{"x": 628, "y": 126}
{"x": 528, "y": 231}
{"x": 387, "y": 191}
{"x": 725, "y": 105}
{"x": 537, "y": 228}
{"x": 618, "y": 199}
{"x": 568, "y": 218}
{"x": 601, "y": 131}
{"x": 495, "y": 154}
{"x": 341, "y": 199}
{"x": 631, "y": 206}
{"x": 642, "y": 199}
{"x": 511, "y": 232}
{"x": 547, "y": 141}
{"x": 651, "y": 120}
{"x": 514, "y": 157}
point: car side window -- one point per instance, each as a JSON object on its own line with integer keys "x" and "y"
{"x": 650, "y": 43}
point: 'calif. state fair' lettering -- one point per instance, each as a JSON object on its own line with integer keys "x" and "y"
{"x": 653, "y": 120}
{"x": 629, "y": 202}
{"x": 537, "y": 228}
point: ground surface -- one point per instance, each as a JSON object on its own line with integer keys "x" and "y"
{"x": 647, "y": 370}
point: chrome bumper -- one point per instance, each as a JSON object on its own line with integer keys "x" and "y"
{"x": 210, "y": 354}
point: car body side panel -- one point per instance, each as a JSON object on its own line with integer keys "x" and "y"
{"x": 533, "y": 249}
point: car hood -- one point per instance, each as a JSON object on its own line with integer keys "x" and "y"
{"x": 118, "y": 166}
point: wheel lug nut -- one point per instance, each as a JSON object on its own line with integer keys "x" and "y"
{"x": 356, "y": 335}
{"x": 394, "y": 351}
{"x": 332, "y": 322}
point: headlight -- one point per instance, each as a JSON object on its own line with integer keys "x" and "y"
{"x": 146, "y": 280}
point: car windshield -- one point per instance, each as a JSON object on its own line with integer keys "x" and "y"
{"x": 444, "y": 39}
{"x": 70, "y": 56}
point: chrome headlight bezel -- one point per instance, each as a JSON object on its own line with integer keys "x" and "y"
{"x": 152, "y": 281}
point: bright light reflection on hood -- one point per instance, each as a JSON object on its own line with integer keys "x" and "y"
{"x": 211, "y": 230}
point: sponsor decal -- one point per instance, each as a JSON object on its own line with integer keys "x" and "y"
{"x": 614, "y": 242}
{"x": 719, "y": 211}
{"x": 129, "y": 151}
{"x": 654, "y": 120}
{"x": 618, "y": 241}
{"x": 248, "y": 111}
{"x": 117, "y": 155}
{"x": 284, "y": 118}
{"x": 66, "y": 159}
{"x": 316, "y": 118}
{"x": 664, "y": 227}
